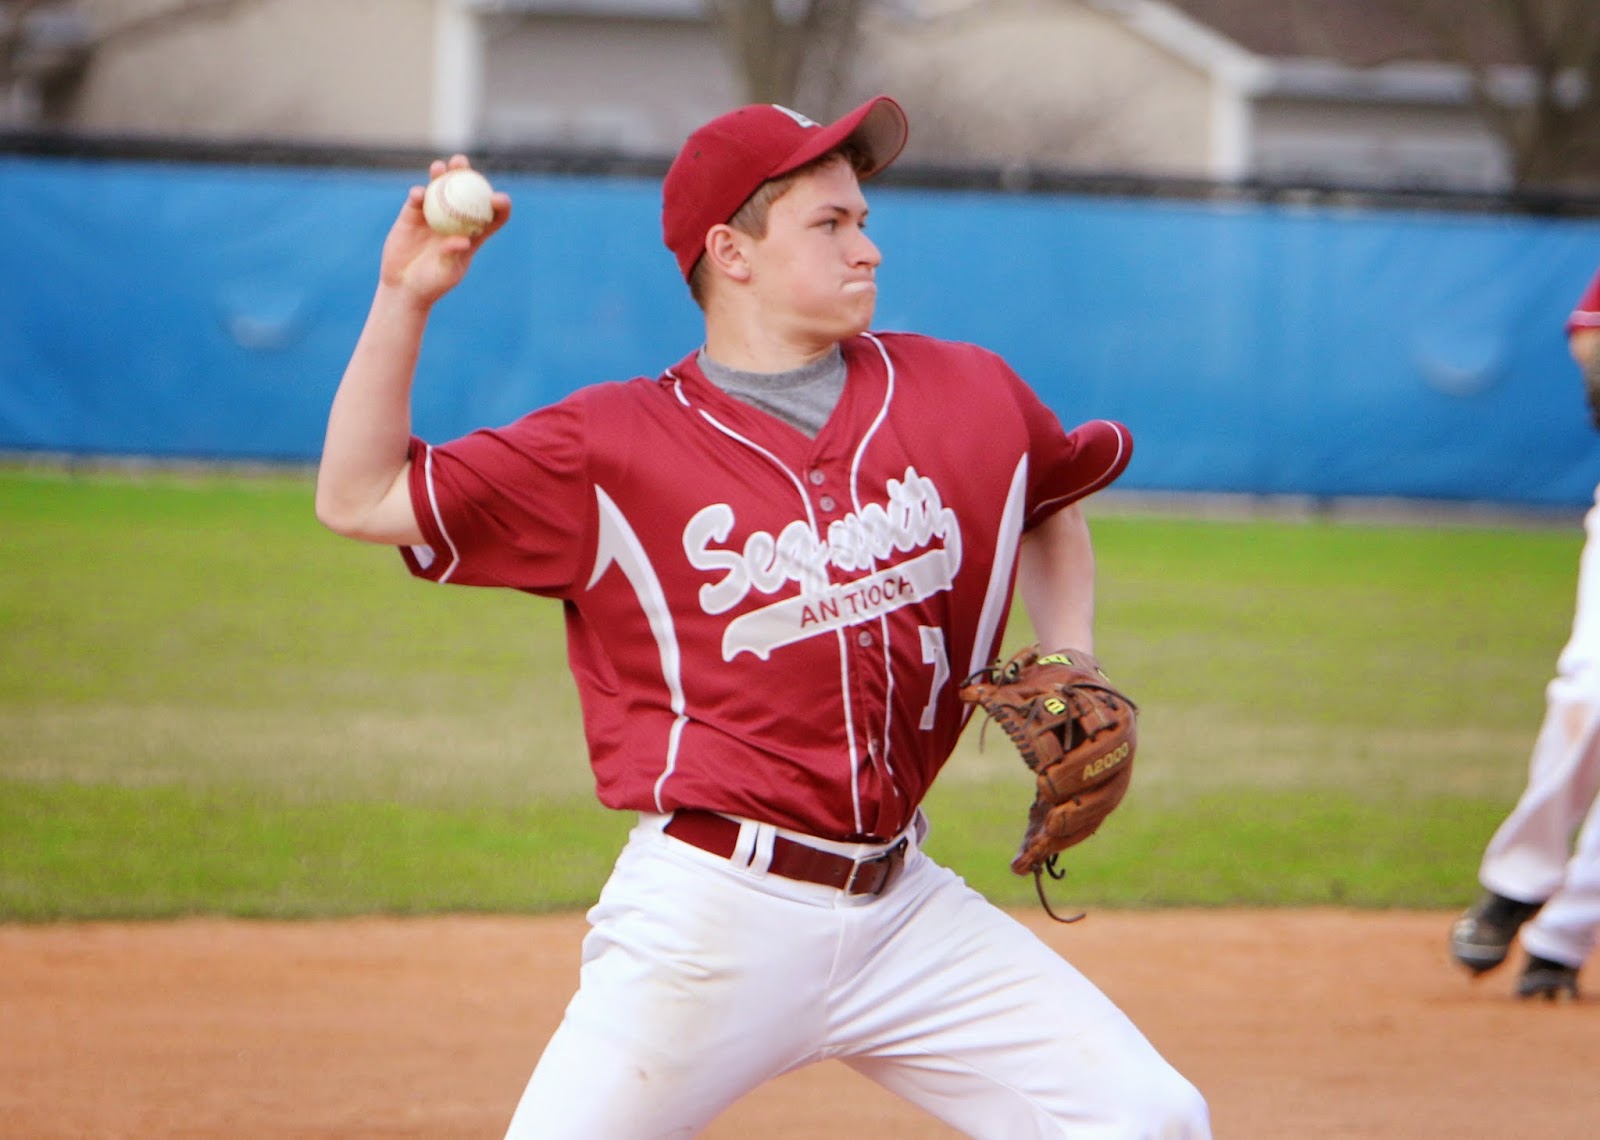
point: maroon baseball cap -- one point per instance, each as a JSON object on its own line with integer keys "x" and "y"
{"x": 727, "y": 160}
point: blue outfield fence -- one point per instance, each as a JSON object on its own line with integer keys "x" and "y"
{"x": 195, "y": 310}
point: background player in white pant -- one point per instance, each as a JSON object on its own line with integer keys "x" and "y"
{"x": 778, "y": 559}
{"x": 1533, "y": 872}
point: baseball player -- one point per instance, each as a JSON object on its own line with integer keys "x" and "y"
{"x": 778, "y": 559}
{"x": 1534, "y": 877}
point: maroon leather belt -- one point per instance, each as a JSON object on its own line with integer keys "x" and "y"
{"x": 720, "y": 835}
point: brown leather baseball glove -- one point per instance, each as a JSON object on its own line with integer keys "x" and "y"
{"x": 1076, "y": 732}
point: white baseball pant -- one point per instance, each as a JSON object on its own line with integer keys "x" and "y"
{"x": 702, "y": 979}
{"x": 1532, "y": 856}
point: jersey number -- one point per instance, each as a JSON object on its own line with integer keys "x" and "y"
{"x": 933, "y": 653}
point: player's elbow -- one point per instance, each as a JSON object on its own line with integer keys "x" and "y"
{"x": 340, "y": 513}
{"x": 368, "y": 512}
{"x": 334, "y": 514}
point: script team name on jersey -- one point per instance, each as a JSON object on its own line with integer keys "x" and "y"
{"x": 912, "y": 517}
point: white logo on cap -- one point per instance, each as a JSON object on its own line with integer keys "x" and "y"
{"x": 795, "y": 115}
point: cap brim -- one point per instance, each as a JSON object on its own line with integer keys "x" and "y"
{"x": 878, "y": 126}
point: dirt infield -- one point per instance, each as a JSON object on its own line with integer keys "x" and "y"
{"x": 1296, "y": 1024}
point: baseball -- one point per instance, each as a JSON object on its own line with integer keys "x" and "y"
{"x": 459, "y": 202}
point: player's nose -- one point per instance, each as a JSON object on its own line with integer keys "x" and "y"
{"x": 866, "y": 251}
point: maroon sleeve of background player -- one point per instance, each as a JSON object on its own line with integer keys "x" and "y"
{"x": 1586, "y": 314}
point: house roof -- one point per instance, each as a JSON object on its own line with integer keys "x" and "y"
{"x": 1355, "y": 33}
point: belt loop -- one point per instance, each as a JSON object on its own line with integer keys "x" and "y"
{"x": 654, "y": 820}
{"x": 744, "y": 846}
{"x": 760, "y": 838}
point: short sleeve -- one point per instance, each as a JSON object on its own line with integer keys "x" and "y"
{"x": 1065, "y": 467}
{"x": 1586, "y": 313}
{"x": 507, "y": 507}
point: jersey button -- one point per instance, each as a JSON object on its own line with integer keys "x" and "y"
{"x": 864, "y": 639}
{"x": 816, "y": 477}
{"x": 826, "y": 502}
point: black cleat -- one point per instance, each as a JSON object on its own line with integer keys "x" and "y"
{"x": 1552, "y": 981}
{"x": 1481, "y": 937}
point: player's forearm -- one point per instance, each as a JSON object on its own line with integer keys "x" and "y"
{"x": 361, "y": 488}
{"x": 1055, "y": 578}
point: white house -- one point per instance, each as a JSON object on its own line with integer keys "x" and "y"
{"x": 1223, "y": 90}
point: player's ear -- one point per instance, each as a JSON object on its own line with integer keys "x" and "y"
{"x": 726, "y": 252}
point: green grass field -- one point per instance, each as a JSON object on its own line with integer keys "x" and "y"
{"x": 208, "y": 704}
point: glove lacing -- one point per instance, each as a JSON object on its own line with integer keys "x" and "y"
{"x": 1049, "y": 867}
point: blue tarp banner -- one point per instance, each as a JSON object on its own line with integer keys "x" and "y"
{"x": 200, "y": 311}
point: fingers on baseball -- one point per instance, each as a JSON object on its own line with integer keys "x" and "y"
{"x": 502, "y": 213}
{"x": 499, "y": 200}
{"x": 455, "y": 162}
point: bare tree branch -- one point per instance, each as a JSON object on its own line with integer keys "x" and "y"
{"x": 13, "y": 25}
{"x": 176, "y": 13}
{"x": 28, "y": 71}
{"x": 1551, "y": 131}
{"x": 775, "y": 47}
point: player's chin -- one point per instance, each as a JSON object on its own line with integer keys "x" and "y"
{"x": 861, "y": 301}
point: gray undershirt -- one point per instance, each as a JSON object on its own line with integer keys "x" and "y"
{"x": 803, "y": 398}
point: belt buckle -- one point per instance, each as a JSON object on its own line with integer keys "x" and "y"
{"x": 893, "y": 857}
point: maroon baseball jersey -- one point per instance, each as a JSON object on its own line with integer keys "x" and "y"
{"x": 761, "y": 623}
{"x": 1586, "y": 314}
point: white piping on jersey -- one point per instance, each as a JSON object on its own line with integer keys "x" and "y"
{"x": 438, "y": 519}
{"x": 856, "y": 504}
{"x": 877, "y": 421}
{"x": 850, "y": 728}
{"x": 1005, "y": 552}
{"x": 853, "y": 748}
{"x": 1098, "y": 481}
{"x": 617, "y": 542}
{"x": 811, "y": 518}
